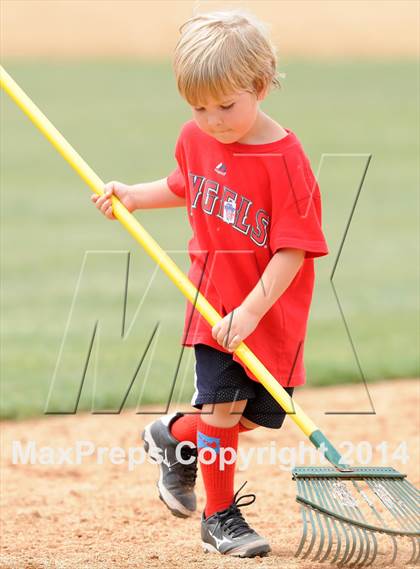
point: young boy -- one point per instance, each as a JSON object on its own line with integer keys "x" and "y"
{"x": 254, "y": 206}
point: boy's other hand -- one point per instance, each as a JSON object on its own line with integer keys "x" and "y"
{"x": 234, "y": 328}
{"x": 123, "y": 192}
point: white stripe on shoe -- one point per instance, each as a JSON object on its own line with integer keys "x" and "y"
{"x": 155, "y": 453}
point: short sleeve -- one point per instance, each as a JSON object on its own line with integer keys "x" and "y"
{"x": 176, "y": 183}
{"x": 296, "y": 210}
{"x": 176, "y": 179}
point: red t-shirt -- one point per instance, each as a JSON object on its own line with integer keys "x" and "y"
{"x": 244, "y": 202}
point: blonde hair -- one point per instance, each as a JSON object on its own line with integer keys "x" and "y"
{"x": 219, "y": 53}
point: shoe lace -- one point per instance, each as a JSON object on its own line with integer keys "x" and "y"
{"x": 231, "y": 519}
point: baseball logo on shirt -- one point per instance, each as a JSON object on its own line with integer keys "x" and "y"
{"x": 229, "y": 211}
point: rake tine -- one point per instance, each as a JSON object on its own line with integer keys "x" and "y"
{"x": 409, "y": 489}
{"x": 327, "y": 521}
{"x": 375, "y": 549}
{"x": 405, "y": 502}
{"x": 379, "y": 517}
{"x": 356, "y": 540}
{"x": 370, "y": 549}
{"x": 372, "y": 485}
{"x": 408, "y": 516}
{"x": 365, "y": 562}
{"x": 364, "y": 552}
{"x": 361, "y": 533}
{"x": 412, "y": 494}
{"x": 363, "y": 538}
{"x": 414, "y": 555}
{"x": 365, "y": 535}
{"x": 408, "y": 520}
{"x": 407, "y": 499}
{"x": 344, "y": 529}
{"x": 372, "y": 534}
{"x": 357, "y": 562}
{"x": 393, "y": 538}
{"x": 313, "y": 496}
{"x": 396, "y": 506}
{"x": 406, "y": 524}
{"x": 307, "y": 514}
{"x": 395, "y": 548}
{"x": 312, "y": 520}
{"x": 347, "y": 553}
{"x": 375, "y": 485}
{"x": 417, "y": 558}
{"x": 369, "y": 535}
{"x": 337, "y": 530}
{"x": 303, "y": 511}
{"x": 337, "y": 507}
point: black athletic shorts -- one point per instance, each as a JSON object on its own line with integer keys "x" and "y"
{"x": 219, "y": 379}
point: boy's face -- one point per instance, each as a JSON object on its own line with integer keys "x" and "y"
{"x": 230, "y": 118}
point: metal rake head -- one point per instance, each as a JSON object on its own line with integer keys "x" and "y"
{"x": 347, "y": 515}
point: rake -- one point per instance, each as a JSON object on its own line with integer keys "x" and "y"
{"x": 344, "y": 509}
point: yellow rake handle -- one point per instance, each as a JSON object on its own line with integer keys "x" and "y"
{"x": 153, "y": 249}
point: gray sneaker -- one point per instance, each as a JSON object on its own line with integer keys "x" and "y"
{"x": 177, "y": 480}
{"x": 227, "y": 532}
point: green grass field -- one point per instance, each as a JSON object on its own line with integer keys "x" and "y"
{"x": 123, "y": 118}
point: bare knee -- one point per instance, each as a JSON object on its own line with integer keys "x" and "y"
{"x": 224, "y": 415}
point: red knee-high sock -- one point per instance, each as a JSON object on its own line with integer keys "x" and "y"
{"x": 185, "y": 428}
{"x": 219, "y": 484}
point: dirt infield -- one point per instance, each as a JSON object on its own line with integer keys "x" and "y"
{"x": 105, "y": 516}
{"x": 149, "y": 28}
